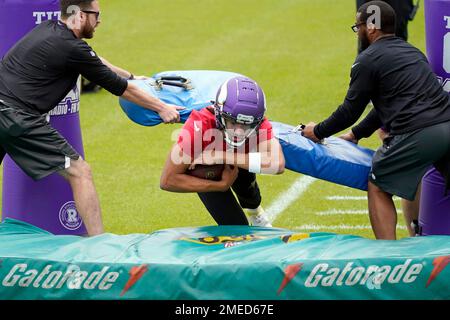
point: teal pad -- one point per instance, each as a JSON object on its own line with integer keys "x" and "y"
{"x": 226, "y": 262}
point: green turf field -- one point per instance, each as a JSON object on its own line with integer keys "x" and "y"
{"x": 300, "y": 52}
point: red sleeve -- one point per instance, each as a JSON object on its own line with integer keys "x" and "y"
{"x": 265, "y": 131}
{"x": 185, "y": 140}
{"x": 192, "y": 132}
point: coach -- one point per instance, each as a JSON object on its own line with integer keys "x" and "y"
{"x": 408, "y": 101}
{"x": 405, "y": 11}
{"x": 35, "y": 75}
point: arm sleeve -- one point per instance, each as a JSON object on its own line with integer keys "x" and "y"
{"x": 356, "y": 100}
{"x": 85, "y": 61}
{"x": 185, "y": 140}
{"x": 265, "y": 132}
{"x": 367, "y": 126}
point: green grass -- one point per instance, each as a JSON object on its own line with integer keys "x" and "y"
{"x": 300, "y": 51}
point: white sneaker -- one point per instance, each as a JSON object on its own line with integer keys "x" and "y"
{"x": 258, "y": 218}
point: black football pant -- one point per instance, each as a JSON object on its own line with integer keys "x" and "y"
{"x": 224, "y": 207}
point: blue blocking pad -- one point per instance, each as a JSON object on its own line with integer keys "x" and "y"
{"x": 336, "y": 160}
{"x": 201, "y": 89}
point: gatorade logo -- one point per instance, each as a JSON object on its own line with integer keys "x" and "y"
{"x": 440, "y": 263}
{"x": 324, "y": 275}
{"x": 373, "y": 276}
{"x": 50, "y": 277}
{"x": 41, "y": 16}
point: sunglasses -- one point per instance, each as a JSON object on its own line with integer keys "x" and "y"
{"x": 97, "y": 13}
{"x": 355, "y": 27}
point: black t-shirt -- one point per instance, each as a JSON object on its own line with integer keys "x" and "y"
{"x": 39, "y": 71}
{"x": 405, "y": 92}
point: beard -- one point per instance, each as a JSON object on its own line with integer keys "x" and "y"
{"x": 364, "y": 42}
{"x": 88, "y": 31}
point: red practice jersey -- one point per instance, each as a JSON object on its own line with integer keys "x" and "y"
{"x": 200, "y": 133}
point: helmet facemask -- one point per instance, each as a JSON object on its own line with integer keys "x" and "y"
{"x": 238, "y": 130}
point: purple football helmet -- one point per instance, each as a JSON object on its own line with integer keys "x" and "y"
{"x": 239, "y": 101}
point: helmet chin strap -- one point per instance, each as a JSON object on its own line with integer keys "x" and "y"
{"x": 229, "y": 140}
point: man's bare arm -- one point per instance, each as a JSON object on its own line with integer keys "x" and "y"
{"x": 175, "y": 179}
{"x": 121, "y": 72}
{"x": 272, "y": 157}
{"x": 168, "y": 113}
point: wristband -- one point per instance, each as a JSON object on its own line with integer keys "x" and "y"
{"x": 254, "y": 162}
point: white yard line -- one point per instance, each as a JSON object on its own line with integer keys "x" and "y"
{"x": 345, "y": 198}
{"x": 285, "y": 199}
{"x": 351, "y": 198}
{"x": 296, "y": 190}
{"x": 316, "y": 227}
{"x": 342, "y": 212}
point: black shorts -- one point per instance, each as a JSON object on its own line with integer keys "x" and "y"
{"x": 224, "y": 207}
{"x": 399, "y": 165}
{"x": 37, "y": 148}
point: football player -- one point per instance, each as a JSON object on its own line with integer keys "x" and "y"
{"x": 233, "y": 132}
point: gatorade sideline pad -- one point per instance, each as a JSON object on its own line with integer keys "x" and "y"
{"x": 227, "y": 262}
{"x": 336, "y": 160}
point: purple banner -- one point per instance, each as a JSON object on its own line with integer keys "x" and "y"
{"x": 49, "y": 202}
{"x": 437, "y": 27}
{"x": 434, "y": 217}
{"x": 18, "y": 17}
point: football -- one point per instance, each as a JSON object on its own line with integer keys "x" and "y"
{"x": 208, "y": 172}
